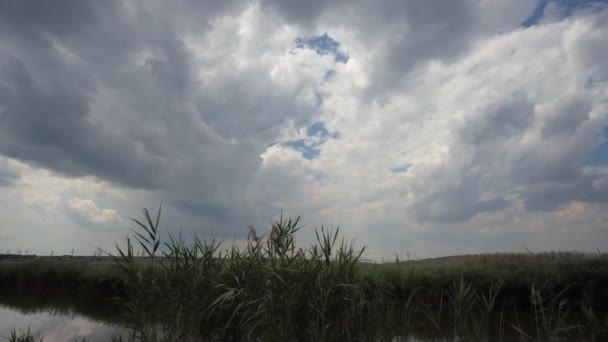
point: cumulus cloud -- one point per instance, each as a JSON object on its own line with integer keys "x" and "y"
{"x": 510, "y": 122}
{"x": 9, "y": 175}
{"x": 89, "y": 210}
{"x": 431, "y": 122}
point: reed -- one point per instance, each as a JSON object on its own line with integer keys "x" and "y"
{"x": 24, "y": 336}
{"x": 272, "y": 289}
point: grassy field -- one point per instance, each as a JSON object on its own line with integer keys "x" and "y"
{"x": 273, "y": 291}
{"x": 581, "y": 274}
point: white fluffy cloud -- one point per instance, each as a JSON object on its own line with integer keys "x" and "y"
{"x": 433, "y": 127}
{"x": 89, "y": 210}
{"x": 506, "y": 127}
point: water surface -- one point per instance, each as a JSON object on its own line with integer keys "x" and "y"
{"x": 55, "y": 325}
{"x": 58, "y": 315}
{"x": 64, "y": 316}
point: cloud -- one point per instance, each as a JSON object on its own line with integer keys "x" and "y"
{"x": 9, "y": 175}
{"x": 398, "y": 36}
{"x": 323, "y": 45}
{"x": 89, "y": 210}
{"x": 143, "y": 116}
{"x": 505, "y": 127}
{"x": 399, "y": 120}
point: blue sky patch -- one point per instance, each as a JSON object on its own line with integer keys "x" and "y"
{"x": 318, "y": 129}
{"x": 323, "y": 45}
{"x": 598, "y": 156}
{"x": 401, "y": 169}
{"x": 566, "y": 8}
{"x": 309, "y": 147}
{"x": 536, "y": 14}
{"x": 309, "y": 150}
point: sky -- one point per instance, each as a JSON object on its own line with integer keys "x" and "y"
{"x": 420, "y": 128}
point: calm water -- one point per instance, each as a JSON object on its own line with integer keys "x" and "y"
{"x": 61, "y": 324}
{"x": 63, "y": 317}
{"x": 60, "y": 316}
{"x": 56, "y": 325}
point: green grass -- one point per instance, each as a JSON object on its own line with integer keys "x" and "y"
{"x": 272, "y": 290}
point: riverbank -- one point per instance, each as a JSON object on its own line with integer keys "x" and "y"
{"x": 271, "y": 290}
{"x": 517, "y": 273}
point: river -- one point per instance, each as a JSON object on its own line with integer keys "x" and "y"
{"x": 55, "y": 325}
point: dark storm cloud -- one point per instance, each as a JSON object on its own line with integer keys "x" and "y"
{"x": 416, "y": 35}
{"x": 300, "y": 12}
{"x": 50, "y": 125}
{"x": 113, "y": 89}
{"x": 457, "y": 203}
{"x": 79, "y": 98}
{"x": 567, "y": 118}
{"x": 509, "y": 116}
{"x": 553, "y": 174}
{"x": 64, "y": 17}
{"x": 591, "y": 186}
{"x": 480, "y": 135}
{"x": 546, "y": 163}
{"x": 47, "y": 97}
{"x": 249, "y": 105}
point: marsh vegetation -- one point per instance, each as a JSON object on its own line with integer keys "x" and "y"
{"x": 274, "y": 290}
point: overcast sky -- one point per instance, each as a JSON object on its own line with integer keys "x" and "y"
{"x": 421, "y": 127}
